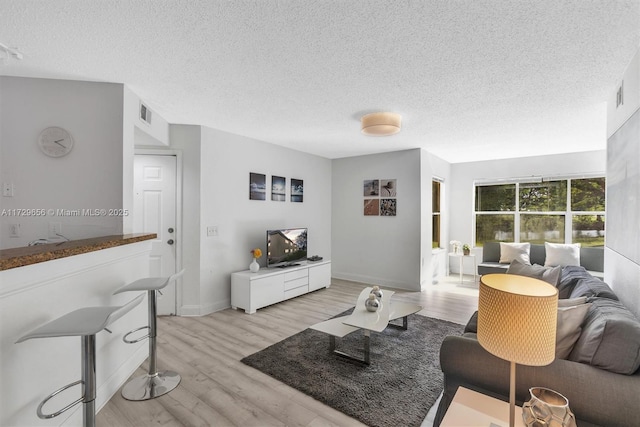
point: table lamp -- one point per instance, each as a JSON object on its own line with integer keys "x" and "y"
{"x": 517, "y": 319}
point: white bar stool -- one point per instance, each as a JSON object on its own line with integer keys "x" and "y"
{"x": 86, "y": 323}
{"x": 153, "y": 384}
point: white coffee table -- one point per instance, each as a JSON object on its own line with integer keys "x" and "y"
{"x": 368, "y": 321}
{"x": 472, "y": 409}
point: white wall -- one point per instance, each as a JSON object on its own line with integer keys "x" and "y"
{"x": 216, "y": 167}
{"x": 463, "y": 176}
{"x": 378, "y": 249}
{"x": 137, "y": 133}
{"x": 90, "y": 177}
{"x": 433, "y": 262}
{"x": 226, "y": 161}
{"x": 187, "y": 139}
{"x": 622, "y": 251}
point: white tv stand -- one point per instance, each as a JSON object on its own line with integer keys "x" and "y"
{"x": 251, "y": 291}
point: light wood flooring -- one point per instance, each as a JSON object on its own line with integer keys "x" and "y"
{"x": 219, "y": 390}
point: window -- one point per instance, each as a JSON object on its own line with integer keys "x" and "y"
{"x": 436, "y": 201}
{"x": 587, "y": 206}
{"x": 557, "y": 210}
{"x": 495, "y": 213}
{"x": 542, "y": 211}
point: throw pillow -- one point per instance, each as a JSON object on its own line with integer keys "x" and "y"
{"x": 610, "y": 338}
{"x": 571, "y": 302}
{"x": 548, "y": 274}
{"x": 511, "y": 251}
{"x": 561, "y": 254}
{"x": 570, "y": 320}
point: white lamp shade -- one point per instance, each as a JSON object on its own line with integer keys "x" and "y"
{"x": 381, "y": 124}
{"x": 517, "y": 318}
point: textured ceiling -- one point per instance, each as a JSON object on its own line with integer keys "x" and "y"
{"x": 472, "y": 79}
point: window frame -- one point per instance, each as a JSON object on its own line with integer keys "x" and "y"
{"x": 568, "y": 213}
{"x": 438, "y": 214}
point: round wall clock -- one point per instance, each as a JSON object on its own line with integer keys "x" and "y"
{"x": 55, "y": 142}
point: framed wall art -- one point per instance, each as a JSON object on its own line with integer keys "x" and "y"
{"x": 278, "y": 188}
{"x": 297, "y": 190}
{"x": 371, "y": 207}
{"x": 380, "y": 197}
{"x": 257, "y": 186}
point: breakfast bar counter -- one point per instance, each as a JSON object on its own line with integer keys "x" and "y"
{"x": 43, "y": 282}
{"x": 19, "y": 257}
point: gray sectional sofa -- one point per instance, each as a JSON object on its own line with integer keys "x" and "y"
{"x": 591, "y": 258}
{"x": 600, "y": 377}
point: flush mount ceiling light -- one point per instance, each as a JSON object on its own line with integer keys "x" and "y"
{"x": 381, "y": 124}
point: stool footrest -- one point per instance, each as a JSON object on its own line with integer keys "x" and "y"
{"x": 128, "y": 341}
{"x": 66, "y": 408}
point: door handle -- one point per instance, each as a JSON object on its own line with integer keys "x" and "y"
{"x": 170, "y": 241}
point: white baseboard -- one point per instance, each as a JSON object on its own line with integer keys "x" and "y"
{"x": 377, "y": 281}
{"x": 203, "y": 310}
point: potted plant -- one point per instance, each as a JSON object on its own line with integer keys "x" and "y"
{"x": 466, "y": 249}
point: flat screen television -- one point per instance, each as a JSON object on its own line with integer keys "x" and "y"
{"x": 286, "y": 247}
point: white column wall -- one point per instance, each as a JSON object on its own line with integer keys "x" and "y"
{"x": 186, "y": 138}
{"x": 622, "y": 251}
{"x": 374, "y": 249}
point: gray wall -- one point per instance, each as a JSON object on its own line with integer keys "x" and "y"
{"x": 90, "y": 177}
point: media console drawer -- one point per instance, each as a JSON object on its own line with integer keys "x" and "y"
{"x": 296, "y": 283}
{"x": 297, "y": 274}
{"x": 296, "y": 292}
{"x": 252, "y": 291}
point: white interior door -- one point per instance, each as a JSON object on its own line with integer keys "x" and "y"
{"x": 154, "y": 211}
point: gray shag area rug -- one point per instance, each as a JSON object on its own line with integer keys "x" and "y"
{"x": 397, "y": 389}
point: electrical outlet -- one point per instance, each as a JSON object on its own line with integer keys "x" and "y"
{"x": 7, "y": 189}
{"x": 55, "y": 228}
{"x": 15, "y": 230}
{"x": 212, "y": 231}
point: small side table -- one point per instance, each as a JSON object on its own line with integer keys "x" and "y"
{"x": 470, "y": 409}
{"x": 461, "y": 258}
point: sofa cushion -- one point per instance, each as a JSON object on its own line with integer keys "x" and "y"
{"x": 513, "y": 251}
{"x": 561, "y": 254}
{"x": 576, "y": 282}
{"x": 610, "y": 338}
{"x": 472, "y": 324}
{"x": 548, "y": 274}
{"x": 570, "y": 317}
{"x": 593, "y": 287}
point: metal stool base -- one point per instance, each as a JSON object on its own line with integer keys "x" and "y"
{"x": 150, "y": 386}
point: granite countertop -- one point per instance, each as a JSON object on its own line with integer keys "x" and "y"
{"x": 19, "y": 257}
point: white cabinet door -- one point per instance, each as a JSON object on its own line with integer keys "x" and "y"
{"x": 319, "y": 276}
{"x": 266, "y": 291}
